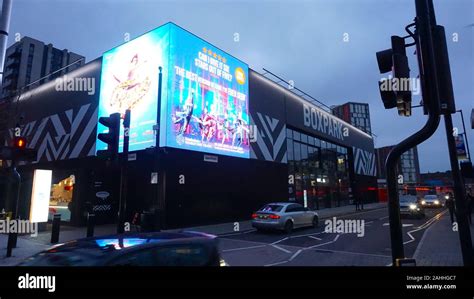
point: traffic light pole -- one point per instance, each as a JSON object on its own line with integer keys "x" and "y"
{"x": 459, "y": 196}
{"x": 430, "y": 93}
{"x": 12, "y": 237}
{"x": 124, "y": 173}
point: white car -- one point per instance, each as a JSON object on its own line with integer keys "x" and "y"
{"x": 431, "y": 201}
{"x": 284, "y": 216}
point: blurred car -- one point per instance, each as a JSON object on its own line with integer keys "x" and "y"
{"x": 410, "y": 207}
{"x": 284, "y": 216}
{"x": 432, "y": 201}
{"x": 133, "y": 249}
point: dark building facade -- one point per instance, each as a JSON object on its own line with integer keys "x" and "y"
{"x": 298, "y": 152}
{"x": 357, "y": 114}
{"x": 408, "y": 166}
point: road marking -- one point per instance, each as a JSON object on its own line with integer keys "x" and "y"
{"x": 306, "y": 235}
{"x": 237, "y": 233}
{"x": 382, "y": 218}
{"x": 243, "y": 248}
{"x": 316, "y": 238}
{"x": 274, "y": 264}
{"x": 360, "y": 253}
{"x": 280, "y": 248}
{"x": 299, "y": 251}
{"x": 295, "y": 255}
{"x": 422, "y": 240}
{"x": 276, "y": 242}
{"x": 369, "y": 222}
{"x": 404, "y": 224}
{"x": 423, "y": 226}
{"x": 318, "y": 245}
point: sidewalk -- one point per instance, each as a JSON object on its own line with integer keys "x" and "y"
{"x": 439, "y": 245}
{"x": 28, "y": 245}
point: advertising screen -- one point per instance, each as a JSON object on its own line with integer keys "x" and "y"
{"x": 129, "y": 80}
{"x": 207, "y": 105}
{"x": 204, "y": 95}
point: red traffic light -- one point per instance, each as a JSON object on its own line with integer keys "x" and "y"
{"x": 19, "y": 142}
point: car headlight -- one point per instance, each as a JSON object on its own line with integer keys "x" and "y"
{"x": 223, "y": 263}
{"x": 436, "y": 202}
{"x": 413, "y": 207}
{"x": 423, "y": 202}
{"x": 446, "y": 196}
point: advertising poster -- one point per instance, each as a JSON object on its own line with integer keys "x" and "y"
{"x": 130, "y": 81}
{"x": 460, "y": 147}
{"x": 207, "y": 108}
{"x": 40, "y": 195}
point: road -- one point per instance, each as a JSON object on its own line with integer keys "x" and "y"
{"x": 315, "y": 247}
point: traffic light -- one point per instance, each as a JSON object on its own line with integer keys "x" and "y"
{"x": 19, "y": 143}
{"x": 395, "y": 91}
{"x": 111, "y": 138}
{"x": 18, "y": 151}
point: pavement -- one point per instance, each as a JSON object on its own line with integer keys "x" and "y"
{"x": 440, "y": 245}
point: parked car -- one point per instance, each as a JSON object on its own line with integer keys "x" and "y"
{"x": 432, "y": 201}
{"x": 284, "y": 216}
{"x": 410, "y": 207}
{"x": 133, "y": 249}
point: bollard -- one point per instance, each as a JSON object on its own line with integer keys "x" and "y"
{"x": 90, "y": 224}
{"x": 11, "y": 243}
{"x": 55, "y": 229}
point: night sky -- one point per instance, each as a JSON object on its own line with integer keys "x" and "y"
{"x": 301, "y": 41}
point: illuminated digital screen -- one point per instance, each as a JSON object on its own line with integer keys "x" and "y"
{"x": 40, "y": 195}
{"x": 204, "y": 104}
{"x": 207, "y": 105}
{"x": 129, "y": 80}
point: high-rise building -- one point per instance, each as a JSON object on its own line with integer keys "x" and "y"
{"x": 29, "y": 60}
{"x": 357, "y": 114}
{"x": 408, "y": 166}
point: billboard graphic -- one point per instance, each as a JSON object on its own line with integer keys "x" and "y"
{"x": 207, "y": 108}
{"x": 460, "y": 147}
{"x": 204, "y": 104}
{"x": 129, "y": 80}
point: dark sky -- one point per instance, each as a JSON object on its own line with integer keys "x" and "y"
{"x": 298, "y": 40}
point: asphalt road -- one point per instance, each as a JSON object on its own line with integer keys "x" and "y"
{"x": 315, "y": 247}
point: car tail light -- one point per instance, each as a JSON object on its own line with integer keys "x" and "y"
{"x": 254, "y": 215}
{"x": 273, "y": 216}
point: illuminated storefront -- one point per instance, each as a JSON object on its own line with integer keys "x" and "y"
{"x": 227, "y": 140}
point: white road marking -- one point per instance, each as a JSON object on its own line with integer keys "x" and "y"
{"x": 237, "y": 233}
{"x": 316, "y": 238}
{"x": 276, "y": 242}
{"x": 404, "y": 224}
{"x": 423, "y": 226}
{"x": 382, "y": 218}
{"x": 274, "y": 264}
{"x": 295, "y": 255}
{"x": 322, "y": 244}
{"x": 243, "y": 248}
{"x": 280, "y": 248}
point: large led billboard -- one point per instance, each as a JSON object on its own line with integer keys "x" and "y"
{"x": 207, "y": 105}
{"x": 129, "y": 80}
{"x": 204, "y": 104}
